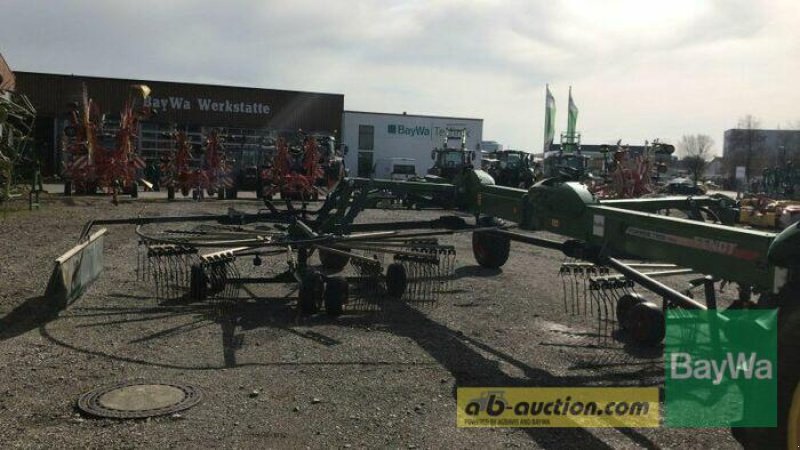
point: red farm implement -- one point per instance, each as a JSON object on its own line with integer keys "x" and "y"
{"x": 95, "y": 160}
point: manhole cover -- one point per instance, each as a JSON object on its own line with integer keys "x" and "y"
{"x": 139, "y": 400}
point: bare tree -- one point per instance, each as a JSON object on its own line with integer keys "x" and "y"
{"x": 696, "y": 150}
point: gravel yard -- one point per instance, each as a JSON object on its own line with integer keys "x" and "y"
{"x": 378, "y": 379}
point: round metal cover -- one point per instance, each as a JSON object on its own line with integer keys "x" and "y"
{"x": 139, "y": 400}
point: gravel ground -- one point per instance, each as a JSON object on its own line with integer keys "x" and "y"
{"x": 383, "y": 379}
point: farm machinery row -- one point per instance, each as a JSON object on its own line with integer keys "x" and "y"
{"x": 17, "y": 117}
{"x": 104, "y": 156}
{"x": 616, "y": 172}
{"x": 292, "y": 164}
{"x": 614, "y": 246}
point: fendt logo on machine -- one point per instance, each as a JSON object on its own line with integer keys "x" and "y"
{"x": 403, "y": 130}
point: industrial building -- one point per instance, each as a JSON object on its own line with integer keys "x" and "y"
{"x": 754, "y": 150}
{"x": 371, "y": 138}
{"x": 247, "y": 113}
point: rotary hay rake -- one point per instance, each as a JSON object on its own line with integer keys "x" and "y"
{"x": 93, "y": 164}
{"x": 605, "y": 233}
{"x": 296, "y": 170}
{"x": 203, "y": 263}
{"x": 17, "y": 116}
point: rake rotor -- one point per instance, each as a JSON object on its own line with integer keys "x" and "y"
{"x": 417, "y": 270}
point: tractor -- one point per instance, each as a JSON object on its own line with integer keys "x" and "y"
{"x": 451, "y": 158}
{"x": 513, "y": 168}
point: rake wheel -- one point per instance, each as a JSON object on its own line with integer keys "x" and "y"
{"x": 311, "y": 290}
{"x": 624, "y": 305}
{"x": 646, "y": 323}
{"x": 198, "y": 289}
{"x": 490, "y": 250}
{"x": 396, "y": 280}
{"x": 333, "y": 262}
{"x": 336, "y": 292}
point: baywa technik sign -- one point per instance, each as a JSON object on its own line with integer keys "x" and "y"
{"x": 721, "y": 368}
{"x": 206, "y": 105}
{"x": 423, "y": 131}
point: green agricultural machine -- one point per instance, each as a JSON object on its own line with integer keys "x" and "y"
{"x": 612, "y": 243}
{"x": 451, "y": 158}
{"x": 513, "y": 168}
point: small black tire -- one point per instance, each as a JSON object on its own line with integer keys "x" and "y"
{"x": 135, "y": 190}
{"x": 198, "y": 283}
{"x": 311, "y": 291}
{"x": 231, "y": 194}
{"x": 490, "y": 250}
{"x": 67, "y": 188}
{"x": 333, "y": 262}
{"x": 220, "y": 193}
{"x": 336, "y": 293}
{"x": 171, "y": 193}
{"x": 645, "y": 323}
{"x": 396, "y": 280}
{"x": 624, "y": 305}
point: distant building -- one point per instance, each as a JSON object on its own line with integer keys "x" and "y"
{"x": 767, "y": 148}
{"x": 372, "y": 137}
{"x": 248, "y": 113}
{"x": 715, "y": 168}
{"x": 491, "y": 146}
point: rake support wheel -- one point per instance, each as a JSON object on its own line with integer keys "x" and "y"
{"x": 312, "y": 286}
{"x": 624, "y": 305}
{"x": 336, "y": 292}
{"x": 396, "y": 280}
{"x": 490, "y": 250}
{"x": 645, "y": 323}
{"x": 333, "y": 262}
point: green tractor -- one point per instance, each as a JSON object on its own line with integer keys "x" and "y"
{"x": 513, "y": 168}
{"x": 452, "y": 158}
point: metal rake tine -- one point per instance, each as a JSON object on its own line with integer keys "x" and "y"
{"x": 562, "y": 275}
{"x": 576, "y": 291}
{"x": 605, "y": 300}
{"x": 157, "y": 273}
{"x": 173, "y": 273}
{"x": 587, "y": 273}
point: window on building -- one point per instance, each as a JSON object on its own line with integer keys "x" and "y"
{"x": 366, "y": 137}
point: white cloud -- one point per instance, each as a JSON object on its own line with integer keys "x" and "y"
{"x": 639, "y": 70}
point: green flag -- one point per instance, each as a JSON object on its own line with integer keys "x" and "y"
{"x": 549, "y": 120}
{"x": 572, "y": 117}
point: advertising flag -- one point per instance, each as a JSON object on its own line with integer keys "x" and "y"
{"x": 572, "y": 116}
{"x": 549, "y": 120}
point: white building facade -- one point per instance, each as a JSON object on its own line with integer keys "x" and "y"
{"x": 372, "y": 138}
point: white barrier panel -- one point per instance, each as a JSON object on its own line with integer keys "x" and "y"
{"x": 76, "y": 270}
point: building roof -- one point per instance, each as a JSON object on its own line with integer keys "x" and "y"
{"x": 139, "y": 81}
{"x": 410, "y": 115}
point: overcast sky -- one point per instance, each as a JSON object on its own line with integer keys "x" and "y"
{"x": 639, "y": 69}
